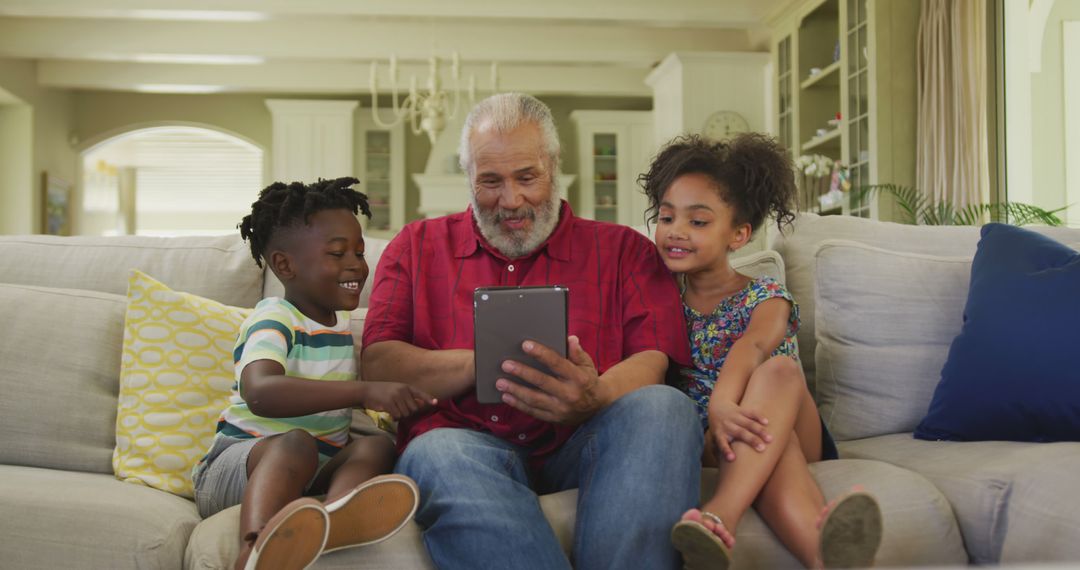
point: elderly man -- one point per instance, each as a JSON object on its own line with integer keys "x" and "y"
{"x": 601, "y": 422}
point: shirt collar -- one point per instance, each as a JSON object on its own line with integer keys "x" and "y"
{"x": 467, "y": 237}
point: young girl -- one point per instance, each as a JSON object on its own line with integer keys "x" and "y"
{"x": 761, "y": 425}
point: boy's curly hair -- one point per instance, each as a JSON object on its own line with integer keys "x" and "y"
{"x": 282, "y": 206}
{"x": 752, "y": 173}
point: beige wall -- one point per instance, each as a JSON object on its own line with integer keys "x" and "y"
{"x": 99, "y": 114}
{"x": 28, "y": 151}
{"x": 1048, "y": 111}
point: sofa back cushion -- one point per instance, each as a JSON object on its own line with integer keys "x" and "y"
{"x": 59, "y": 367}
{"x": 884, "y": 323}
{"x": 799, "y": 245}
{"x": 216, "y": 267}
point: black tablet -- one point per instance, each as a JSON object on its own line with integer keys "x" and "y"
{"x": 505, "y": 317}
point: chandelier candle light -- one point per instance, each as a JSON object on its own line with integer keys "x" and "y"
{"x": 426, "y": 112}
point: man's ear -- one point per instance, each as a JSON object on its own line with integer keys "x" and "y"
{"x": 281, "y": 264}
{"x": 743, "y": 233}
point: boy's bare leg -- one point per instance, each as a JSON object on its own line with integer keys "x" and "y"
{"x": 364, "y": 458}
{"x": 279, "y": 467}
{"x": 775, "y": 390}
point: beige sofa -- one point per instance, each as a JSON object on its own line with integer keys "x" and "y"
{"x": 60, "y": 505}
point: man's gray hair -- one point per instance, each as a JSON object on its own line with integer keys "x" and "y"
{"x": 505, "y": 112}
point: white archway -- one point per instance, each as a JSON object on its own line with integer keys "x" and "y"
{"x": 168, "y": 179}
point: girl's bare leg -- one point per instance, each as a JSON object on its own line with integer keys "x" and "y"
{"x": 775, "y": 390}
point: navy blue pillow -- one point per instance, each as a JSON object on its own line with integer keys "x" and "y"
{"x": 1013, "y": 372}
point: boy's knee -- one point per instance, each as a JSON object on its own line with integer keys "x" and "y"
{"x": 296, "y": 441}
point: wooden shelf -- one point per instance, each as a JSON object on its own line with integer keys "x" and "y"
{"x": 829, "y": 140}
{"x": 829, "y": 77}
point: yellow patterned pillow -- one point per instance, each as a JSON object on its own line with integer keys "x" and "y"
{"x": 175, "y": 378}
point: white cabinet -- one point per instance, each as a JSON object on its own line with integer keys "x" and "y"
{"x": 380, "y": 166}
{"x": 614, "y": 148}
{"x": 312, "y": 139}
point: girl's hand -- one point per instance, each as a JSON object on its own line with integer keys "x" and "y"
{"x": 730, "y": 422}
{"x": 398, "y": 400}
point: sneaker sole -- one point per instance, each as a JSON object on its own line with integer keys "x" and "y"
{"x": 293, "y": 539}
{"x": 851, "y": 533}
{"x": 372, "y": 513}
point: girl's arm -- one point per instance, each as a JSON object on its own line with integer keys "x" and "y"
{"x": 767, "y": 329}
{"x": 728, "y": 421}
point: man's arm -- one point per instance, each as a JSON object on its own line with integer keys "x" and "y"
{"x": 442, "y": 373}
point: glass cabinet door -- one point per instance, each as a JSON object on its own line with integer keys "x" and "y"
{"x": 858, "y": 106}
{"x": 605, "y": 157}
{"x": 377, "y": 177}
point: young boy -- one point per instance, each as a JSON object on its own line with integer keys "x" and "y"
{"x": 285, "y": 433}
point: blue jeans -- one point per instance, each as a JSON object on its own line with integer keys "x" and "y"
{"x": 636, "y": 464}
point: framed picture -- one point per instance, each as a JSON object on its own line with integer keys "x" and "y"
{"x": 55, "y": 205}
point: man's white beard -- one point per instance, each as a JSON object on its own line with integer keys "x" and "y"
{"x": 518, "y": 243}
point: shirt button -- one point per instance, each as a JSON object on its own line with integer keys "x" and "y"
{"x": 494, "y": 418}
{"x": 521, "y": 436}
{"x": 510, "y": 268}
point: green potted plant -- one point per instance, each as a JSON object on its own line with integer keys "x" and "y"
{"x": 916, "y": 208}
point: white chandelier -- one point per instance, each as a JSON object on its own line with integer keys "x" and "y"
{"x": 429, "y": 111}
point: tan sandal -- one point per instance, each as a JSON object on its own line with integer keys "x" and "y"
{"x": 851, "y": 532}
{"x": 700, "y": 547}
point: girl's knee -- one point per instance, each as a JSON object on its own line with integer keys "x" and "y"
{"x": 781, "y": 373}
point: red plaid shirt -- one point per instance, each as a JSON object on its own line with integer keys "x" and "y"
{"x": 622, "y": 301}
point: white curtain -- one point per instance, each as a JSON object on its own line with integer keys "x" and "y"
{"x": 951, "y": 154}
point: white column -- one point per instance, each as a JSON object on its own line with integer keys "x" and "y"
{"x": 688, "y": 87}
{"x": 312, "y": 139}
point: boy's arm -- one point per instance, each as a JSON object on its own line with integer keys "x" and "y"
{"x": 442, "y": 373}
{"x": 271, "y": 394}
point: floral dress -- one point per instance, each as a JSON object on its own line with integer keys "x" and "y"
{"x": 712, "y": 336}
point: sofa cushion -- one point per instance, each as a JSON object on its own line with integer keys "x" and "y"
{"x": 798, "y": 246}
{"x": 884, "y": 323}
{"x": 919, "y": 526}
{"x": 1043, "y": 510}
{"x": 981, "y": 480}
{"x": 1011, "y": 373}
{"x": 64, "y": 519}
{"x": 216, "y": 267}
{"x": 214, "y": 544}
{"x": 176, "y": 377}
{"x": 59, "y": 364}
{"x": 766, "y": 263}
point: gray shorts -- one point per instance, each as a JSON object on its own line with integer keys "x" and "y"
{"x": 220, "y": 483}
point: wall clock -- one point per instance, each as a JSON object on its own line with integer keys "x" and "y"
{"x": 723, "y": 124}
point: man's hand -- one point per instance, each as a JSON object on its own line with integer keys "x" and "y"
{"x": 571, "y": 394}
{"x": 398, "y": 400}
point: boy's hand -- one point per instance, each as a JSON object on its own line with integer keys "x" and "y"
{"x": 730, "y": 422}
{"x": 398, "y": 400}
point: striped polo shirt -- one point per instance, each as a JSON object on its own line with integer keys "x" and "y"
{"x": 278, "y": 331}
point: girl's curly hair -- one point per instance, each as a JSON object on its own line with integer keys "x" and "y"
{"x": 281, "y": 206}
{"x": 752, "y": 173}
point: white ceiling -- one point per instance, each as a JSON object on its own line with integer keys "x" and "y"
{"x": 580, "y": 47}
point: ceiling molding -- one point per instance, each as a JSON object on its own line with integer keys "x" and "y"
{"x": 334, "y": 78}
{"x": 681, "y": 13}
